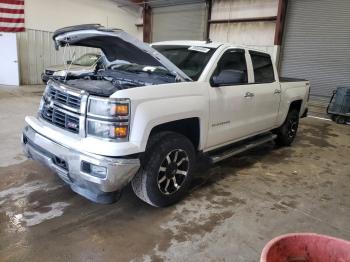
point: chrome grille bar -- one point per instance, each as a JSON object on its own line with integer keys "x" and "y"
{"x": 65, "y": 107}
{"x": 61, "y": 119}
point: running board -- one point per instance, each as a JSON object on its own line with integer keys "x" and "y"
{"x": 242, "y": 147}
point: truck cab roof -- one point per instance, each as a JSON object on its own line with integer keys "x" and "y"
{"x": 206, "y": 44}
{"x": 190, "y": 43}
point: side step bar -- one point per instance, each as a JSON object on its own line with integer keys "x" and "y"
{"x": 242, "y": 147}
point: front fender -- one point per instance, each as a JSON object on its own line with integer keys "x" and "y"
{"x": 149, "y": 114}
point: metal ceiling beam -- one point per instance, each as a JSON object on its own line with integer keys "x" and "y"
{"x": 159, "y": 3}
{"x": 240, "y": 20}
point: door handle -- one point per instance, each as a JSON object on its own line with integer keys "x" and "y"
{"x": 277, "y": 91}
{"x": 248, "y": 94}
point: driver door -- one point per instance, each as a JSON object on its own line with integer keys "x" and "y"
{"x": 229, "y": 103}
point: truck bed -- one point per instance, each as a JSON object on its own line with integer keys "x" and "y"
{"x": 290, "y": 79}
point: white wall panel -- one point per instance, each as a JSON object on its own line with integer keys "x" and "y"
{"x": 49, "y": 15}
{"x": 245, "y": 33}
{"x": 234, "y": 9}
{"x": 37, "y": 51}
{"x": 259, "y": 35}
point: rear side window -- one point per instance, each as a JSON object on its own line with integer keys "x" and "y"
{"x": 263, "y": 69}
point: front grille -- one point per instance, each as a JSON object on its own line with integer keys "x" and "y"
{"x": 60, "y": 118}
{"x": 64, "y": 98}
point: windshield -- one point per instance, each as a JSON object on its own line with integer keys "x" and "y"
{"x": 190, "y": 59}
{"x": 86, "y": 60}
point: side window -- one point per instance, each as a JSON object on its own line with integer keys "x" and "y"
{"x": 231, "y": 69}
{"x": 263, "y": 69}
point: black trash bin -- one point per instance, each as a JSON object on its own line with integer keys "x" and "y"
{"x": 339, "y": 105}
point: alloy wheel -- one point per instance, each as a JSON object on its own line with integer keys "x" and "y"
{"x": 293, "y": 126}
{"x": 173, "y": 171}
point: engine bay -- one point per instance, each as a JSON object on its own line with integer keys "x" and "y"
{"x": 105, "y": 82}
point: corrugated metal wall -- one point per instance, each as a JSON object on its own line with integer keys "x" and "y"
{"x": 316, "y": 45}
{"x": 179, "y": 22}
{"x": 36, "y": 52}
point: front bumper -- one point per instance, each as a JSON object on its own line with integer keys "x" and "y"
{"x": 67, "y": 163}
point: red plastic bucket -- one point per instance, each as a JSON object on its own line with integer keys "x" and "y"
{"x": 306, "y": 247}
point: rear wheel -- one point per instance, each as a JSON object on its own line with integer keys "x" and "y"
{"x": 340, "y": 120}
{"x": 166, "y": 170}
{"x": 288, "y": 131}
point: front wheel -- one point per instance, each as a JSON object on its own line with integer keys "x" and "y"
{"x": 166, "y": 170}
{"x": 288, "y": 131}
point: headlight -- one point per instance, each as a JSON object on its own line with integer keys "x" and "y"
{"x": 108, "y": 108}
{"x": 108, "y": 117}
{"x": 109, "y": 130}
{"x": 44, "y": 96}
{"x": 41, "y": 105}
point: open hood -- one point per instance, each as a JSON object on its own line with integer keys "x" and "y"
{"x": 116, "y": 45}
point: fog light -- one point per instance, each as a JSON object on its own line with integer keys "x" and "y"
{"x": 97, "y": 171}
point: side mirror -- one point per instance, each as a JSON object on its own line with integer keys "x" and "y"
{"x": 69, "y": 62}
{"x": 228, "y": 77}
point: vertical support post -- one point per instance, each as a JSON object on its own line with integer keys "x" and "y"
{"x": 281, "y": 14}
{"x": 209, "y": 6}
{"x": 147, "y": 23}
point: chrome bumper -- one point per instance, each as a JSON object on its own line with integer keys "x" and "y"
{"x": 68, "y": 164}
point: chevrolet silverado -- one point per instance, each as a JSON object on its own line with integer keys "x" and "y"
{"x": 154, "y": 110}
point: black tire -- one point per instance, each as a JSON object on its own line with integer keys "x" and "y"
{"x": 288, "y": 131}
{"x": 340, "y": 120}
{"x": 162, "y": 163}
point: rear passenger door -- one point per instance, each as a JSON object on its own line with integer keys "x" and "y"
{"x": 265, "y": 92}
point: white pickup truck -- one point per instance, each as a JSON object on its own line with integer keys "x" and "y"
{"x": 147, "y": 117}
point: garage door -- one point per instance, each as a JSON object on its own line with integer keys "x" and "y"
{"x": 316, "y": 45}
{"x": 180, "y": 22}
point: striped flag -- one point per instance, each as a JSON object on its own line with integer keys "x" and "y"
{"x": 11, "y": 15}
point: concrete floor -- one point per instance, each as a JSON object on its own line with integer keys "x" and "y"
{"x": 234, "y": 207}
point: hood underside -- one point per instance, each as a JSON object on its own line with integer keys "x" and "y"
{"x": 116, "y": 45}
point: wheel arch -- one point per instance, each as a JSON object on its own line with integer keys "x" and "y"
{"x": 296, "y": 103}
{"x": 188, "y": 127}
{"x": 185, "y": 115}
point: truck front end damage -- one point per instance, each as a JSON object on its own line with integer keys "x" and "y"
{"x": 55, "y": 137}
{"x": 95, "y": 177}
